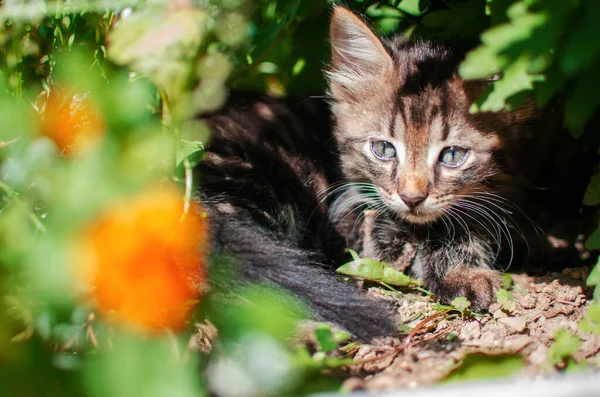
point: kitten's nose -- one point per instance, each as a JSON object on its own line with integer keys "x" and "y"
{"x": 413, "y": 200}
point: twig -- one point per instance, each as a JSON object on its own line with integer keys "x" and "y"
{"x": 420, "y": 326}
{"x": 566, "y": 302}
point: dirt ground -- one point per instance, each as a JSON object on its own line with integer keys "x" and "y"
{"x": 435, "y": 343}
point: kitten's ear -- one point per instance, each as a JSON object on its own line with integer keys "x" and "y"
{"x": 357, "y": 53}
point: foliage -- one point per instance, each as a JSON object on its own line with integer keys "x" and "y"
{"x": 97, "y": 103}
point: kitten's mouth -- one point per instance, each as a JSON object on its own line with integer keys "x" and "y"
{"x": 420, "y": 216}
{"x": 417, "y": 215}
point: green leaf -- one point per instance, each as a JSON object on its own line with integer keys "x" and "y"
{"x": 480, "y": 366}
{"x": 160, "y": 44}
{"x": 413, "y": 7}
{"x": 516, "y": 80}
{"x": 593, "y": 242}
{"x": 461, "y": 303}
{"x": 507, "y": 281}
{"x": 591, "y": 321}
{"x": 371, "y": 269}
{"x": 324, "y": 338}
{"x": 383, "y": 11}
{"x": 341, "y": 336}
{"x": 505, "y": 299}
{"x": 563, "y": 347}
{"x": 594, "y": 279}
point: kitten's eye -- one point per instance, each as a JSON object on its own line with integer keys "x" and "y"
{"x": 383, "y": 150}
{"x": 453, "y": 156}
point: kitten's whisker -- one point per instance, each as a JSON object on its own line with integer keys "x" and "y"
{"x": 512, "y": 222}
{"x": 465, "y": 227}
{"x": 501, "y": 199}
{"x": 480, "y": 210}
{"x": 469, "y": 206}
{"x": 503, "y": 225}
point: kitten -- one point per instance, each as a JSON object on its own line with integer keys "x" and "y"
{"x": 440, "y": 183}
{"x": 404, "y": 149}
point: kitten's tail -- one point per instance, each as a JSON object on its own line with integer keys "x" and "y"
{"x": 266, "y": 259}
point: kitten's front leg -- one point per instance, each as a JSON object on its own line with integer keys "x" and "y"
{"x": 450, "y": 273}
{"x": 448, "y": 268}
{"x": 479, "y": 286}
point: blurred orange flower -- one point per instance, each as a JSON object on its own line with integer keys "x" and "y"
{"x": 72, "y": 121}
{"x": 145, "y": 260}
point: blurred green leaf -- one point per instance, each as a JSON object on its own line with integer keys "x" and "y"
{"x": 160, "y": 43}
{"x": 594, "y": 278}
{"x": 563, "y": 347}
{"x": 480, "y": 366}
{"x": 505, "y": 299}
{"x": 144, "y": 367}
{"x": 413, "y": 7}
{"x": 260, "y": 309}
{"x": 591, "y": 321}
{"x": 461, "y": 303}
{"x": 593, "y": 241}
{"x": 324, "y": 338}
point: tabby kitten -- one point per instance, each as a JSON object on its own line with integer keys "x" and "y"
{"x": 440, "y": 183}
{"x": 405, "y": 154}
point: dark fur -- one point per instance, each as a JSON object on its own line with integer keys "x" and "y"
{"x": 260, "y": 181}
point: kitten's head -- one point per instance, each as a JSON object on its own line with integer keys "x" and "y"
{"x": 403, "y": 122}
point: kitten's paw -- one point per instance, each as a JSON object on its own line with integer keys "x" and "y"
{"x": 479, "y": 286}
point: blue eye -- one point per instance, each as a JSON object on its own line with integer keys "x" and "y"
{"x": 383, "y": 150}
{"x": 453, "y": 156}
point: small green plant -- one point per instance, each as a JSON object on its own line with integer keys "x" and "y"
{"x": 327, "y": 339}
{"x": 461, "y": 304}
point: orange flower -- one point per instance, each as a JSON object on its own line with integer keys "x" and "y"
{"x": 71, "y": 121}
{"x": 145, "y": 260}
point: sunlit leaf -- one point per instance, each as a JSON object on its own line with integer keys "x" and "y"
{"x": 505, "y": 299}
{"x": 371, "y": 269}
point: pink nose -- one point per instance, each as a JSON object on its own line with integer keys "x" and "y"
{"x": 413, "y": 200}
